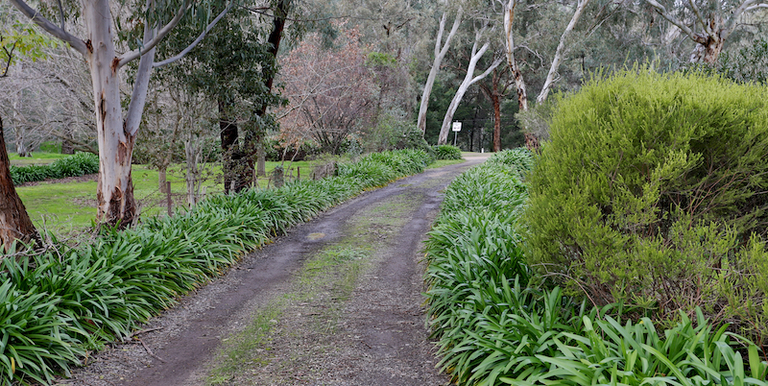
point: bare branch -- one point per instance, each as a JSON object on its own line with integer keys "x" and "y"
{"x": 148, "y": 46}
{"x": 59, "y": 33}
{"x": 663, "y": 12}
{"x": 194, "y": 43}
{"x": 61, "y": 14}
{"x": 487, "y": 71}
{"x": 560, "y": 51}
{"x": 704, "y": 25}
{"x": 746, "y": 5}
{"x": 9, "y": 54}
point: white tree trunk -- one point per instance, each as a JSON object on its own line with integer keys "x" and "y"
{"x": 468, "y": 81}
{"x": 115, "y": 188}
{"x": 116, "y": 136}
{"x": 440, "y": 50}
{"x": 522, "y": 92}
{"x": 560, "y": 51}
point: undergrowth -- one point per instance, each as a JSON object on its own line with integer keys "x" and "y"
{"x": 57, "y": 305}
{"x": 496, "y": 325}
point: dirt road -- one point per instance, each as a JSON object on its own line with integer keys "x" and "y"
{"x": 337, "y": 301}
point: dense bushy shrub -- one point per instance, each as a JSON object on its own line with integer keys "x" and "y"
{"x": 275, "y": 151}
{"x": 77, "y": 165}
{"x": 56, "y": 305}
{"x": 653, "y": 193}
{"x": 493, "y": 331}
{"x": 447, "y": 152}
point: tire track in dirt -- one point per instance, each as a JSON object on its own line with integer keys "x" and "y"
{"x": 371, "y": 332}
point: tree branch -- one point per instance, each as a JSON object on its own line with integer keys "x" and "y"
{"x": 9, "y": 54}
{"x": 194, "y": 43}
{"x": 143, "y": 73}
{"x": 75, "y": 42}
{"x": 663, "y": 12}
{"x": 746, "y": 5}
{"x": 148, "y": 46}
{"x": 61, "y": 14}
{"x": 488, "y": 71}
{"x": 559, "y": 52}
{"x": 705, "y": 27}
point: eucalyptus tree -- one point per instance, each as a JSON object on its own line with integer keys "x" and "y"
{"x": 441, "y": 49}
{"x": 483, "y": 37}
{"x": 100, "y": 47}
{"x": 708, "y": 23}
{"x": 496, "y": 87}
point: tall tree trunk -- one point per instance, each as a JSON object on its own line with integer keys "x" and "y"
{"x": 116, "y": 203}
{"x": 440, "y": 50}
{"x": 15, "y": 223}
{"x": 560, "y": 51}
{"x": 253, "y": 155}
{"x": 468, "y": 81}
{"x": 522, "y": 93}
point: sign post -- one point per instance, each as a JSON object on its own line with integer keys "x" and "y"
{"x": 456, "y": 129}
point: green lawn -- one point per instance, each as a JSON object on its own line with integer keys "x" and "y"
{"x": 38, "y": 158}
{"x": 64, "y": 208}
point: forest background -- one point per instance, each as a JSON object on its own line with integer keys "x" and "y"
{"x": 289, "y": 79}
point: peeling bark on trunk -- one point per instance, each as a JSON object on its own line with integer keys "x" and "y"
{"x": 522, "y": 93}
{"x": 15, "y": 223}
{"x": 116, "y": 203}
{"x": 707, "y": 49}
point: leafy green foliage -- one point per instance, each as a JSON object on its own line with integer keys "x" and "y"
{"x": 494, "y": 331}
{"x": 652, "y": 193}
{"x": 749, "y": 65}
{"x": 74, "y": 166}
{"x": 59, "y": 303}
{"x": 22, "y": 40}
{"x": 446, "y": 152}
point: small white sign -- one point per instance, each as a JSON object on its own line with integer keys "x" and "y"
{"x": 456, "y": 126}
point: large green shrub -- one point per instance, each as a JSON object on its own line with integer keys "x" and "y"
{"x": 447, "y": 152}
{"x": 492, "y": 330}
{"x": 653, "y": 192}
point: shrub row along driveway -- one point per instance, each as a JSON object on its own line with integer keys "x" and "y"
{"x": 335, "y": 302}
